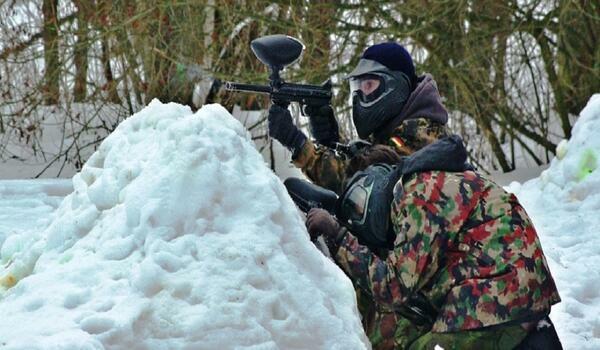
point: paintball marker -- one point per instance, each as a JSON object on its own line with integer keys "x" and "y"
{"x": 307, "y": 195}
{"x": 278, "y": 51}
{"x": 350, "y": 150}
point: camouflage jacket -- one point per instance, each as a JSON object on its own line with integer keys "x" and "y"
{"x": 463, "y": 244}
{"x": 446, "y": 270}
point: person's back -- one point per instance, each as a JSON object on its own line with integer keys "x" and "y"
{"x": 488, "y": 262}
{"x": 466, "y": 267}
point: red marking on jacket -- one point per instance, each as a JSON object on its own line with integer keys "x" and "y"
{"x": 428, "y": 205}
{"x": 471, "y": 323}
{"x": 511, "y": 237}
{"x": 513, "y": 285}
{"x": 489, "y": 307}
{"x": 422, "y": 263}
{"x": 520, "y": 263}
{"x": 437, "y": 187}
{"x": 530, "y": 234}
{"x": 523, "y": 300}
{"x": 480, "y": 233}
{"x": 475, "y": 291}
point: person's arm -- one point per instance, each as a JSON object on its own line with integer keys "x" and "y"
{"x": 319, "y": 163}
{"x": 322, "y": 166}
{"x": 429, "y": 210}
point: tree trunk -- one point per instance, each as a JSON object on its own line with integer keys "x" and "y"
{"x": 51, "y": 87}
{"x": 319, "y": 16}
{"x": 80, "y": 54}
{"x": 111, "y": 84}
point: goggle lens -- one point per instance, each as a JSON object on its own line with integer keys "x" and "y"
{"x": 355, "y": 202}
{"x": 371, "y": 86}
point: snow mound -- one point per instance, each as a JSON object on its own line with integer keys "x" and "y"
{"x": 176, "y": 236}
{"x": 27, "y": 205}
{"x": 564, "y": 203}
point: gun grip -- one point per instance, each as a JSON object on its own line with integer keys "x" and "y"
{"x": 281, "y": 103}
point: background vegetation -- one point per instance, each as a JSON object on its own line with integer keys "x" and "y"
{"x": 514, "y": 74}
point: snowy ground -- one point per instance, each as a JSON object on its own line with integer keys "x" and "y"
{"x": 100, "y": 287}
{"x": 564, "y": 203}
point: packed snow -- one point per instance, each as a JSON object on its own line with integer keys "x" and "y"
{"x": 176, "y": 235}
{"x": 27, "y": 205}
{"x": 564, "y": 203}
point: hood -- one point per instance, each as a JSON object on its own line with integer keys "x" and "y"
{"x": 423, "y": 102}
{"x": 447, "y": 154}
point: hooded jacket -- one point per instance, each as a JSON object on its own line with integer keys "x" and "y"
{"x": 424, "y": 102}
{"x": 324, "y": 168}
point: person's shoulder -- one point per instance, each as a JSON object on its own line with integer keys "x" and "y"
{"x": 432, "y": 176}
{"x": 428, "y": 182}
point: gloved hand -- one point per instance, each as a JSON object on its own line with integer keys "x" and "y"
{"x": 320, "y": 222}
{"x": 323, "y": 125}
{"x": 282, "y": 128}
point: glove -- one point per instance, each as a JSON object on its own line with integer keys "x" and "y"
{"x": 283, "y": 129}
{"x": 320, "y": 222}
{"x": 323, "y": 125}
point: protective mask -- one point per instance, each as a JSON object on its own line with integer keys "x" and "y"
{"x": 365, "y": 205}
{"x": 372, "y": 111}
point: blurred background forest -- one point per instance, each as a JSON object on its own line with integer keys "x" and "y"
{"x": 514, "y": 74}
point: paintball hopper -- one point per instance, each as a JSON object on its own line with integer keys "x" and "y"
{"x": 277, "y": 51}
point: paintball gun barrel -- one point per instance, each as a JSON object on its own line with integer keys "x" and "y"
{"x": 277, "y": 52}
{"x": 307, "y": 195}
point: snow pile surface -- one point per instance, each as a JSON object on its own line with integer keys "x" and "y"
{"x": 564, "y": 204}
{"x": 176, "y": 236}
{"x": 28, "y": 205}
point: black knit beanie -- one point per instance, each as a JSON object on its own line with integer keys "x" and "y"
{"x": 395, "y": 57}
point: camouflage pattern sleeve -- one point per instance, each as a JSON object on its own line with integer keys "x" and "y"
{"x": 423, "y": 216}
{"x": 322, "y": 166}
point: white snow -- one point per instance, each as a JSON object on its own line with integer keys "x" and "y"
{"x": 29, "y": 204}
{"x": 176, "y": 236}
{"x": 564, "y": 203}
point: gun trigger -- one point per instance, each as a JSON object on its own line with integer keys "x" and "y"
{"x": 342, "y": 150}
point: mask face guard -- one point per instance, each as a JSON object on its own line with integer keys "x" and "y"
{"x": 369, "y": 113}
{"x": 364, "y": 207}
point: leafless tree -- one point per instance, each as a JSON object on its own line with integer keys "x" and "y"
{"x": 514, "y": 74}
